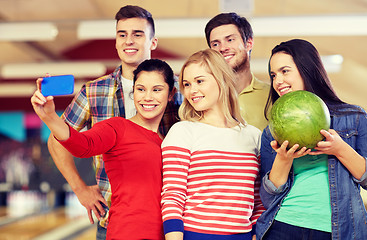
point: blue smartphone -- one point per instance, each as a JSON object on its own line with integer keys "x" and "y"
{"x": 57, "y": 85}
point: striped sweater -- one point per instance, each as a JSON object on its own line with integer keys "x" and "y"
{"x": 210, "y": 179}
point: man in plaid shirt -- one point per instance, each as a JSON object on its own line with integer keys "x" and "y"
{"x": 107, "y": 97}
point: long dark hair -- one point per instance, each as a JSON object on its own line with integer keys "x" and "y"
{"x": 309, "y": 64}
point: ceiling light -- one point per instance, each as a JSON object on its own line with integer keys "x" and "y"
{"x": 35, "y": 70}
{"x": 96, "y": 29}
{"x": 295, "y": 26}
{"x": 28, "y": 31}
{"x": 26, "y": 89}
{"x": 332, "y": 64}
{"x": 165, "y": 28}
{"x": 242, "y": 7}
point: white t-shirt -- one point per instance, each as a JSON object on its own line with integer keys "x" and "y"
{"x": 127, "y": 86}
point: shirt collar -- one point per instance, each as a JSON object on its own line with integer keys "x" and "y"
{"x": 255, "y": 84}
{"x": 116, "y": 75}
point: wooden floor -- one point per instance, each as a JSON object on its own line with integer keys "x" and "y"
{"x": 57, "y": 224}
{"x": 51, "y": 225}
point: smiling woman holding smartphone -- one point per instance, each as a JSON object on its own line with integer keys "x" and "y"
{"x": 131, "y": 151}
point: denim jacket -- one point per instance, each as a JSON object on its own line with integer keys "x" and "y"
{"x": 349, "y": 216}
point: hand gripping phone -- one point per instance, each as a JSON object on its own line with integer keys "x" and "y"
{"x": 57, "y": 85}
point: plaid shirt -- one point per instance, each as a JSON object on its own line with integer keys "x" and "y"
{"x": 102, "y": 99}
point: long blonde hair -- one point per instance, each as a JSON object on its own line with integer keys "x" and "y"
{"x": 225, "y": 77}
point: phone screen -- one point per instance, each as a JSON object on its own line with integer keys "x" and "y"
{"x": 57, "y": 85}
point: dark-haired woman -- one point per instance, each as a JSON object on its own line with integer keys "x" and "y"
{"x": 131, "y": 151}
{"x": 313, "y": 194}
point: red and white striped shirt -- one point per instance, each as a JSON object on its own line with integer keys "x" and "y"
{"x": 210, "y": 178}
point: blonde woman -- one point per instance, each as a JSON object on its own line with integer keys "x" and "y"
{"x": 210, "y": 158}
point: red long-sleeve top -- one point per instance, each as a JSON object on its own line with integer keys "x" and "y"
{"x": 133, "y": 163}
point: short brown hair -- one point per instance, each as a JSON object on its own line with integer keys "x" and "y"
{"x": 130, "y": 11}
{"x": 241, "y": 23}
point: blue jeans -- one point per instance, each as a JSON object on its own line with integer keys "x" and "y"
{"x": 101, "y": 232}
{"x": 194, "y": 236}
{"x": 283, "y": 231}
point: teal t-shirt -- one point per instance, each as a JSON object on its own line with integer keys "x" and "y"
{"x": 308, "y": 202}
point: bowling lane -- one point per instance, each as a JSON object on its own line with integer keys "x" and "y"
{"x": 2, "y": 212}
{"x": 52, "y": 225}
{"x": 32, "y": 226}
{"x": 87, "y": 235}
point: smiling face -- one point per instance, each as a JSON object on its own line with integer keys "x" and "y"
{"x": 227, "y": 40}
{"x": 200, "y": 88}
{"x": 150, "y": 95}
{"x": 284, "y": 74}
{"x": 133, "y": 41}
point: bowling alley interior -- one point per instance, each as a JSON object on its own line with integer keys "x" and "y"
{"x": 78, "y": 38}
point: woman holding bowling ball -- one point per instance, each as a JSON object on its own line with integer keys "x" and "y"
{"x": 313, "y": 194}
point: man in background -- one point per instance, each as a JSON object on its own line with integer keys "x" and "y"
{"x": 232, "y": 36}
